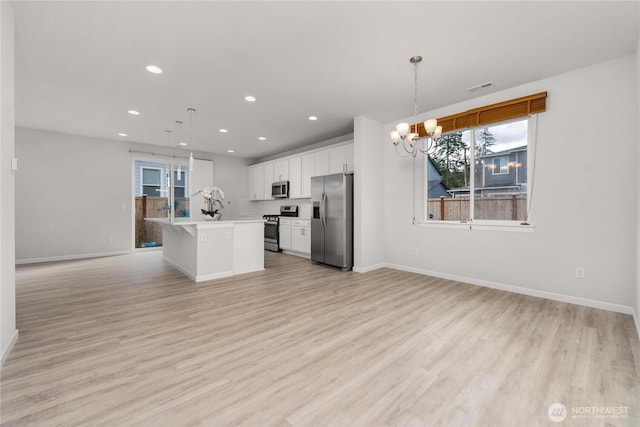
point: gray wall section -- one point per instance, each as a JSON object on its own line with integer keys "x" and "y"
{"x": 8, "y": 332}
{"x": 74, "y": 194}
{"x": 569, "y": 231}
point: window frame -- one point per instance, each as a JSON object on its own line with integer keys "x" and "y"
{"x": 484, "y": 224}
{"x": 142, "y": 184}
{"x": 184, "y": 186}
{"x": 506, "y": 163}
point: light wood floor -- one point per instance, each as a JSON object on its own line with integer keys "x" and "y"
{"x": 128, "y": 340}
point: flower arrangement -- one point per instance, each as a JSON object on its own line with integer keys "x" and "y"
{"x": 212, "y": 196}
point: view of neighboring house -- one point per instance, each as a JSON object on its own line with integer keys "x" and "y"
{"x": 151, "y": 180}
{"x": 504, "y": 172}
{"x": 435, "y": 185}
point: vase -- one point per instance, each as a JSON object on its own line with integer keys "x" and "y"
{"x": 211, "y": 218}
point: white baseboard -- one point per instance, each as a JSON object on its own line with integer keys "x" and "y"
{"x": 368, "y": 268}
{"x": 213, "y": 276}
{"x": 70, "y": 257}
{"x": 6, "y": 351}
{"x": 200, "y": 278}
{"x": 636, "y": 320}
{"x": 300, "y": 254}
{"x": 618, "y": 308}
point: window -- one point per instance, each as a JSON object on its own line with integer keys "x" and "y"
{"x": 153, "y": 199}
{"x": 152, "y": 182}
{"x": 179, "y": 183}
{"x": 500, "y": 166}
{"x": 483, "y": 180}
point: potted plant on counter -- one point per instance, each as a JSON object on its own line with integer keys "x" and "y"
{"x": 213, "y": 197}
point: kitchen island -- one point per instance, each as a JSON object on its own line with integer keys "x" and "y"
{"x": 206, "y": 250}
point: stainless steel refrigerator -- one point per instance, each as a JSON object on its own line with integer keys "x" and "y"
{"x": 332, "y": 220}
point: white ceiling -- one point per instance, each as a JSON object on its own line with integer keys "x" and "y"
{"x": 81, "y": 65}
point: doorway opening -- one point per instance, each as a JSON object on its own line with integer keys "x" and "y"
{"x": 156, "y": 196}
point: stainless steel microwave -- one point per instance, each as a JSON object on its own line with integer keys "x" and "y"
{"x": 280, "y": 190}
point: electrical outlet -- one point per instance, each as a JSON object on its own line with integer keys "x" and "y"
{"x": 580, "y": 272}
{"x": 203, "y": 237}
{"x": 415, "y": 251}
{"x": 227, "y": 235}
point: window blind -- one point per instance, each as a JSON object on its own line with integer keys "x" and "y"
{"x": 506, "y": 110}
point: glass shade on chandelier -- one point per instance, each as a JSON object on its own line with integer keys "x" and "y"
{"x": 411, "y": 141}
{"x": 409, "y": 135}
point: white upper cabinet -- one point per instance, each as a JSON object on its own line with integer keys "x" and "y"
{"x": 341, "y": 158}
{"x": 295, "y": 177}
{"x": 321, "y": 163}
{"x": 268, "y": 180}
{"x": 256, "y": 182}
{"x": 308, "y": 168}
{"x": 281, "y": 170}
{"x": 337, "y": 159}
{"x": 298, "y": 170}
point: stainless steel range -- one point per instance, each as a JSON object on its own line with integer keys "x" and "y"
{"x": 271, "y": 234}
{"x": 272, "y": 224}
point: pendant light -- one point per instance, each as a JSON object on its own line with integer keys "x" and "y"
{"x": 168, "y": 132}
{"x": 408, "y": 134}
{"x": 179, "y": 126}
{"x": 191, "y": 112}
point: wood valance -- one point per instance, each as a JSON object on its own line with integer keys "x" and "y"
{"x": 506, "y": 110}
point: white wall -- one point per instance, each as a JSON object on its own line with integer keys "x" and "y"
{"x": 368, "y": 139}
{"x": 8, "y": 332}
{"x": 583, "y": 205}
{"x": 74, "y": 194}
{"x": 230, "y": 175}
{"x": 637, "y": 300}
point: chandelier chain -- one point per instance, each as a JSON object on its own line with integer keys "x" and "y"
{"x": 415, "y": 91}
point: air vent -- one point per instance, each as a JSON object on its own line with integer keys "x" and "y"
{"x": 480, "y": 86}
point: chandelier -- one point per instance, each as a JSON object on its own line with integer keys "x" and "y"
{"x": 409, "y": 135}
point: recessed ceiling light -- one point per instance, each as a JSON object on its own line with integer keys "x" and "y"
{"x": 312, "y": 118}
{"x": 134, "y": 112}
{"x": 250, "y": 98}
{"x": 230, "y": 151}
{"x": 154, "y": 69}
{"x": 182, "y": 143}
{"x": 122, "y": 134}
{"x": 262, "y": 138}
{"x": 223, "y": 131}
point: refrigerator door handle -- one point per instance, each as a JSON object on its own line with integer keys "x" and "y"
{"x": 323, "y": 212}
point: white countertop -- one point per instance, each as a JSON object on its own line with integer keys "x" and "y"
{"x": 191, "y": 221}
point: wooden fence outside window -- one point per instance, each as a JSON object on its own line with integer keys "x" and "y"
{"x": 149, "y": 234}
{"x": 504, "y": 208}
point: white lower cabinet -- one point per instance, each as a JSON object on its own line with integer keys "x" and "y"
{"x": 301, "y": 236}
{"x": 295, "y": 235}
{"x": 285, "y": 234}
